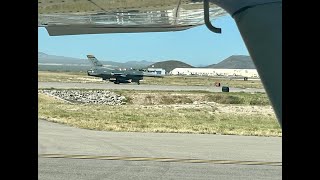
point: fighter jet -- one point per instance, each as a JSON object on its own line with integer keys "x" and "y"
{"x": 116, "y": 76}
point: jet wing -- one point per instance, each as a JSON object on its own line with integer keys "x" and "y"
{"x": 69, "y": 17}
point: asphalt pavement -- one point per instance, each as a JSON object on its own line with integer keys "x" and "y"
{"x": 71, "y": 153}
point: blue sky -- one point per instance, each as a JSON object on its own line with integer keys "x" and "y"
{"x": 196, "y": 46}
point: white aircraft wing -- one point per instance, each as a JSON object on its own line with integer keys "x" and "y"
{"x": 69, "y": 17}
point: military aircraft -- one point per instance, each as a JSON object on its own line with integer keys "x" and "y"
{"x": 259, "y": 23}
{"x": 117, "y": 76}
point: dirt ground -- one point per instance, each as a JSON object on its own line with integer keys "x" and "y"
{"x": 220, "y": 108}
{"x": 198, "y": 101}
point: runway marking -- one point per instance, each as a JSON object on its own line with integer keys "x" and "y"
{"x": 124, "y": 158}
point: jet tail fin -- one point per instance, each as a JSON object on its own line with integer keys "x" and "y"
{"x": 93, "y": 60}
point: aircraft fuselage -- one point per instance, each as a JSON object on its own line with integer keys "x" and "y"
{"x": 117, "y": 76}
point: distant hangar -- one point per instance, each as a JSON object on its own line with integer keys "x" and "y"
{"x": 252, "y": 73}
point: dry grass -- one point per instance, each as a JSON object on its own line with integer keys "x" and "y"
{"x": 183, "y": 97}
{"x": 202, "y": 81}
{"x": 45, "y": 76}
{"x": 154, "y": 118}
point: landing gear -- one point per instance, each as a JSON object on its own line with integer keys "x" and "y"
{"x": 138, "y": 82}
{"x": 117, "y": 82}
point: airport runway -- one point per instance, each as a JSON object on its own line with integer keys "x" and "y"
{"x": 71, "y": 153}
{"x": 60, "y": 85}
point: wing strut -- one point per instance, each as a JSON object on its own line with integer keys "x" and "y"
{"x": 260, "y": 25}
{"x": 207, "y": 18}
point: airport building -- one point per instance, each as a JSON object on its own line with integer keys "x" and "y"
{"x": 215, "y": 72}
{"x": 158, "y": 71}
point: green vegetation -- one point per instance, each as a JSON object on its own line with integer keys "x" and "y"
{"x": 185, "y": 97}
{"x": 164, "y": 116}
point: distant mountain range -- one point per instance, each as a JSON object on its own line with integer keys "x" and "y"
{"x": 45, "y": 59}
{"x": 232, "y": 62}
{"x": 52, "y": 62}
{"x": 52, "y": 59}
{"x": 170, "y": 65}
{"x": 235, "y": 62}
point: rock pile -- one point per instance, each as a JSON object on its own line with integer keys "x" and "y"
{"x": 87, "y": 97}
